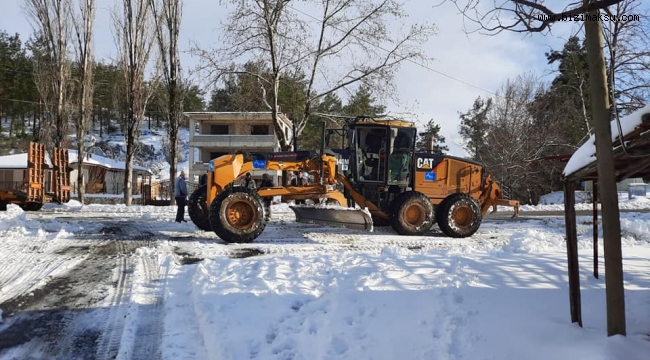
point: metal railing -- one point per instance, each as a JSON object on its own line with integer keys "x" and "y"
{"x": 13, "y": 186}
{"x": 161, "y": 192}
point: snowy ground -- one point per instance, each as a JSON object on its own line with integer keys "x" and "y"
{"x": 109, "y": 281}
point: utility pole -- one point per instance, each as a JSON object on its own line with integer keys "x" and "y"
{"x": 606, "y": 174}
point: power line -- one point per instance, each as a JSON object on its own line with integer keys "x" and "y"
{"x": 409, "y": 60}
{"x": 21, "y": 101}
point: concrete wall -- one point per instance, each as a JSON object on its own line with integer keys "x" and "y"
{"x": 238, "y": 138}
{"x": 73, "y": 179}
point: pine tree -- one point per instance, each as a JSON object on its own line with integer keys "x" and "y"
{"x": 568, "y": 94}
{"x": 311, "y": 136}
{"x": 474, "y": 127}
{"x": 362, "y": 103}
{"x": 431, "y": 129}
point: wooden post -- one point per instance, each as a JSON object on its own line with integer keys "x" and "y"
{"x": 595, "y": 200}
{"x": 572, "y": 251}
{"x": 614, "y": 288}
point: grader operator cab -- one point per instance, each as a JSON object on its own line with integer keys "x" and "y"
{"x": 376, "y": 179}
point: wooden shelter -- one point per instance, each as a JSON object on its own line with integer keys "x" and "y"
{"x": 631, "y": 159}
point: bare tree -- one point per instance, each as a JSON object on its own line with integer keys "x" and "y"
{"x": 509, "y": 135}
{"x": 525, "y": 16}
{"x": 52, "y": 25}
{"x": 134, "y": 34}
{"x": 167, "y": 15}
{"x": 83, "y": 20}
{"x": 529, "y": 16}
{"x": 513, "y": 136}
{"x": 351, "y": 41}
{"x": 627, "y": 39}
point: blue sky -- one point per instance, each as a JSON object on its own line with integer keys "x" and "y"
{"x": 485, "y": 62}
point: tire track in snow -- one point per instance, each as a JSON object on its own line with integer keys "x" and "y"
{"x": 183, "y": 332}
{"x": 27, "y": 266}
{"x": 150, "y": 315}
{"x": 53, "y": 319}
{"x": 108, "y": 345}
{"x": 134, "y": 324}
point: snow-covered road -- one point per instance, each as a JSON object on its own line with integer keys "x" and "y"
{"x": 111, "y": 282}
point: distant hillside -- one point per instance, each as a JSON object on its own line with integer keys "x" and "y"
{"x": 150, "y": 153}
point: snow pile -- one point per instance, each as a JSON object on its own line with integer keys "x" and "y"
{"x": 534, "y": 241}
{"x": 637, "y": 202}
{"x": 555, "y": 202}
{"x": 637, "y": 225}
{"x": 147, "y": 211}
{"x": 14, "y": 224}
{"x": 557, "y": 198}
{"x": 14, "y": 216}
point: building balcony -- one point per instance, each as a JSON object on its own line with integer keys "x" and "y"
{"x": 234, "y": 141}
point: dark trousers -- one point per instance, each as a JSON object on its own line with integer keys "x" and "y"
{"x": 181, "y": 201}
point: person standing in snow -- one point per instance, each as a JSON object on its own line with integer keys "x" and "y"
{"x": 267, "y": 183}
{"x": 204, "y": 179}
{"x": 180, "y": 194}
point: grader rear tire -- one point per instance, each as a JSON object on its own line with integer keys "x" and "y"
{"x": 198, "y": 209}
{"x": 237, "y": 215}
{"x": 412, "y": 214}
{"x": 459, "y": 216}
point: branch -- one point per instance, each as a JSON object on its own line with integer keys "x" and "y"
{"x": 530, "y": 16}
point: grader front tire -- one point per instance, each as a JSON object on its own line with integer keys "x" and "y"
{"x": 198, "y": 208}
{"x": 459, "y": 216}
{"x": 237, "y": 215}
{"x": 412, "y": 214}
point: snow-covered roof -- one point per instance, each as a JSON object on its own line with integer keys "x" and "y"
{"x": 586, "y": 154}
{"x": 18, "y": 161}
{"x": 103, "y": 161}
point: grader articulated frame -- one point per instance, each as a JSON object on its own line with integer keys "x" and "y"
{"x": 379, "y": 176}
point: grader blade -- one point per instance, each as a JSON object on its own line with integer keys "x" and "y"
{"x": 334, "y": 216}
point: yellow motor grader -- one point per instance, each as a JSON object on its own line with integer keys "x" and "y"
{"x": 32, "y": 192}
{"x": 378, "y": 178}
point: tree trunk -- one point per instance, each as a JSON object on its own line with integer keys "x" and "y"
{"x": 606, "y": 177}
{"x": 100, "y": 121}
{"x": 128, "y": 173}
